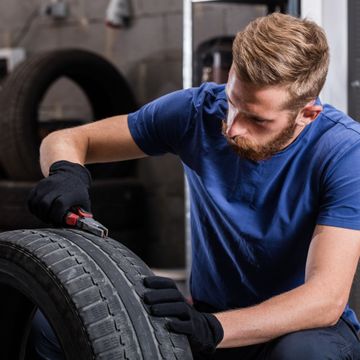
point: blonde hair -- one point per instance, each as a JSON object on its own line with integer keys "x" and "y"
{"x": 280, "y": 49}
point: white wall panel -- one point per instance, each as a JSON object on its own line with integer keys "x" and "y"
{"x": 332, "y": 16}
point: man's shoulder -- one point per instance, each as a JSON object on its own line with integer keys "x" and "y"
{"x": 210, "y": 102}
{"x": 337, "y": 135}
{"x": 341, "y": 124}
{"x": 209, "y": 97}
{"x": 211, "y": 90}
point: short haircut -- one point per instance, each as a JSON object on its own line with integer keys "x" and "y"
{"x": 284, "y": 50}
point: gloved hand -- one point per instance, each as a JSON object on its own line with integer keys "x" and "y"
{"x": 203, "y": 330}
{"x": 66, "y": 186}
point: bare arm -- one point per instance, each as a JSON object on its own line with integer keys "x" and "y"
{"x": 331, "y": 264}
{"x": 101, "y": 141}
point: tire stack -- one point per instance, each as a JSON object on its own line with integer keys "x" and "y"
{"x": 118, "y": 199}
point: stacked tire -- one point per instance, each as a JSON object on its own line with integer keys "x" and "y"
{"x": 89, "y": 289}
{"x": 117, "y": 197}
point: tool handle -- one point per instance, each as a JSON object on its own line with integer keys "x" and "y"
{"x": 76, "y": 212}
{"x": 81, "y": 212}
{"x": 71, "y": 218}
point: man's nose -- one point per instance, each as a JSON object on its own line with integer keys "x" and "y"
{"x": 235, "y": 127}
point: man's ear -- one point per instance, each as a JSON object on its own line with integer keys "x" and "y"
{"x": 308, "y": 114}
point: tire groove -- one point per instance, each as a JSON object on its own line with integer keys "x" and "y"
{"x": 91, "y": 260}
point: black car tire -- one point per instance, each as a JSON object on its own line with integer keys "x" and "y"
{"x": 90, "y": 289}
{"x": 22, "y": 92}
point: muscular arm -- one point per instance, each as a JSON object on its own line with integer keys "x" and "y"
{"x": 101, "y": 141}
{"x": 331, "y": 264}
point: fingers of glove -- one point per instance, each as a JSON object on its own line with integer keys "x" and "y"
{"x": 162, "y": 296}
{"x": 42, "y": 195}
{"x": 81, "y": 202}
{"x": 159, "y": 282}
{"x": 180, "y": 326}
{"x": 64, "y": 203}
{"x": 59, "y": 208}
{"x": 56, "y": 211}
{"x": 40, "y": 205}
{"x": 85, "y": 205}
{"x": 178, "y": 309}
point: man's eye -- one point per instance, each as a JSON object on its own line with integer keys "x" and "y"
{"x": 258, "y": 121}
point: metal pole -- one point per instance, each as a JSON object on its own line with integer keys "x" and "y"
{"x": 187, "y": 82}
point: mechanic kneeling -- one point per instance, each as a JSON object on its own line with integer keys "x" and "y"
{"x": 274, "y": 179}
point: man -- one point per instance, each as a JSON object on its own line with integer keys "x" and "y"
{"x": 275, "y": 223}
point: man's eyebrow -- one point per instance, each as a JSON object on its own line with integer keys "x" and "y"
{"x": 255, "y": 116}
{"x": 247, "y": 113}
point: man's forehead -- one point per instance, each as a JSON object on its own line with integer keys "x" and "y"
{"x": 269, "y": 97}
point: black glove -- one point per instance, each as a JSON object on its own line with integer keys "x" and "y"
{"x": 203, "y": 330}
{"x": 66, "y": 186}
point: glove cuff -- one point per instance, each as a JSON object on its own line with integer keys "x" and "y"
{"x": 216, "y": 328}
{"x": 74, "y": 168}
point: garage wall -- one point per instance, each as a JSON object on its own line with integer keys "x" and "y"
{"x": 149, "y": 55}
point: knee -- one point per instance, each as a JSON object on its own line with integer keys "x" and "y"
{"x": 297, "y": 346}
{"x": 43, "y": 340}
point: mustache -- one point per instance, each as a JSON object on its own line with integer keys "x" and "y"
{"x": 244, "y": 147}
{"x": 235, "y": 140}
{"x": 248, "y": 149}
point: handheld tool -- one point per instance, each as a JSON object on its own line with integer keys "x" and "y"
{"x": 84, "y": 220}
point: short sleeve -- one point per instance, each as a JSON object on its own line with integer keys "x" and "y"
{"x": 340, "y": 199}
{"x": 159, "y": 127}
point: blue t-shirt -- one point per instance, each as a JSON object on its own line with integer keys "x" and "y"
{"x": 252, "y": 222}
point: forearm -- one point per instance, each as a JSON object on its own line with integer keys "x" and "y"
{"x": 302, "y": 308}
{"x": 101, "y": 141}
{"x": 62, "y": 145}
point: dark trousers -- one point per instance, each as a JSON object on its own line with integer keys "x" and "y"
{"x": 331, "y": 343}
{"x": 44, "y": 344}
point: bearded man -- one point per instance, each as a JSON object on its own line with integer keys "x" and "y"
{"x": 274, "y": 224}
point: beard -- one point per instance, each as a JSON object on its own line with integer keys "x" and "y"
{"x": 250, "y": 150}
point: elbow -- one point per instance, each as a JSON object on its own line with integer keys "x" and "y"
{"x": 54, "y": 135}
{"x": 69, "y": 136}
{"x": 333, "y": 311}
{"x": 50, "y": 138}
{"x": 62, "y": 144}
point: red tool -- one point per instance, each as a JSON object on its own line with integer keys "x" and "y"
{"x": 84, "y": 220}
